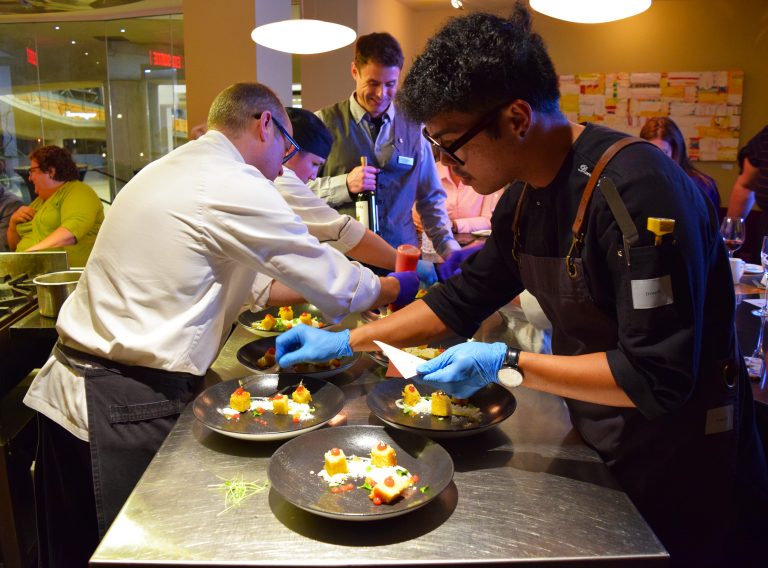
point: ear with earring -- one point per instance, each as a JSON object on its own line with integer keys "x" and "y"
{"x": 522, "y": 134}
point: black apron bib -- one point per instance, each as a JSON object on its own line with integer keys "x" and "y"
{"x": 680, "y": 478}
{"x": 131, "y": 410}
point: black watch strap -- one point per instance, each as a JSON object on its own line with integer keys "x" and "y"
{"x": 512, "y": 358}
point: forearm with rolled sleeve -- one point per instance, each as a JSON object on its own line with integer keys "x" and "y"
{"x": 332, "y": 189}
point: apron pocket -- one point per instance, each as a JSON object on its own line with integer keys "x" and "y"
{"x": 649, "y": 302}
{"x": 145, "y": 411}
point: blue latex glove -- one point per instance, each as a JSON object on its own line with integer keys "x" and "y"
{"x": 307, "y": 344}
{"x": 409, "y": 285}
{"x": 426, "y": 272}
{"x": 452, "y": 264}
{"x": 464, "y": 369}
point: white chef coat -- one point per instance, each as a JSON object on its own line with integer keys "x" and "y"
{"x": 323, "y": 221}
{"x": 175, "y": 261}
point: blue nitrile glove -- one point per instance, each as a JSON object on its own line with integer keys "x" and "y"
{"x": 426, "y": 272}
{"x": 307, "y": 344}
{"x": 464, "y": 369}
{"x": 409, "y": 285}
{"x": 452, "y": 264}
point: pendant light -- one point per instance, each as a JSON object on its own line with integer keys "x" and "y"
{"x": 590, "y": 11}
{"x": 303, "y": 36}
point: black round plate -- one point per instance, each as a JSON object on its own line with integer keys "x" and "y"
{"x": 327, "y": 399}
{"x": 494, "y": 401}
{"x": 248, "y": 317}
{"x": 251, "y": 352}
{"x": 292, "y": 464}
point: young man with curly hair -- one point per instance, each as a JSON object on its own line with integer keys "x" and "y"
{"x": 643, "y": 335}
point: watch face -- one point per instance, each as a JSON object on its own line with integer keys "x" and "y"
{"x": 510, "y": 378}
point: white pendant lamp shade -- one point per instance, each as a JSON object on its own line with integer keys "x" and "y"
{"x": 590, "y": 11}
{"x": 303, "y": 36}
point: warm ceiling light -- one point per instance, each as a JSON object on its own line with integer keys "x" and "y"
{"x": 590, "y": 11}
{"x": 458, "y": 4}
{"x": 303, "y": 36}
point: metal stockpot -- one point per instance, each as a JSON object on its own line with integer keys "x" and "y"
{"x": 53, "y": 289}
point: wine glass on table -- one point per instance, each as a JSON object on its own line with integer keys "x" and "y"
{"x": 763, "y": 311}
{"x": 732, "y": 230}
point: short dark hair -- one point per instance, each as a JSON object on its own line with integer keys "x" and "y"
{"x": 310, "y": 133}
{"x": 59, "y": 159}
{"x": 234, "y": 107}
{"x": 480, "y": 61}
{"x": 378, "y": 47}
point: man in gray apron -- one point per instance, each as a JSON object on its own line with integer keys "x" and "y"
{"x": 643, "y": 334}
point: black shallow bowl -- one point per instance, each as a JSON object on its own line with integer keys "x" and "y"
{"x": 327, "y": 399}
{"x": 248, "y": 317}
{"x": 251, "y": 352}
{"x": 494, "y": 401}
{"x": 290, "y": 467}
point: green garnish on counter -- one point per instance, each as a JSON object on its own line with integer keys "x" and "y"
{"x": 237, "y": 490}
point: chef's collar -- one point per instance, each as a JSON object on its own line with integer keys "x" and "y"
{"x": 359, "y": 113}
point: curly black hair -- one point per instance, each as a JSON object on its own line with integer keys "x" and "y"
{"x": 59, "y": 159}
{"x": 477, "y": 62}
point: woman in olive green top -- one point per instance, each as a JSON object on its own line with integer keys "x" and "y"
{"x": 67, "y": 213}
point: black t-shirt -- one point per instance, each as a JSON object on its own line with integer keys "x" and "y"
{"x": 657, "y": 357}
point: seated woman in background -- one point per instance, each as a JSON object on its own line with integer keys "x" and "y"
{"x": 67, "y": 213}
{"x": 664, "y": 133}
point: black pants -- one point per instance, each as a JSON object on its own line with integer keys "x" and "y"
{"x": 131, "y": 410}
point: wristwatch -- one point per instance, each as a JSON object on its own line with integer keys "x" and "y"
{"x": 509, "y": 375}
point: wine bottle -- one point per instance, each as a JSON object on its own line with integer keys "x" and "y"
{"x": 365, "y": 206}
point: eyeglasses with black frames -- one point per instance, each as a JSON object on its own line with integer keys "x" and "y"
{"x": 293, "y": 147}
{"x": 482, "y": 123}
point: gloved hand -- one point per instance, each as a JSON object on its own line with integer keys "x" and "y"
{"x": 307, "y": 344}
{"x": 452, "y": 264}
{"x": 409, "y": 285}
{"x": 426, "y": 272}
{"x": 464, "y": 369}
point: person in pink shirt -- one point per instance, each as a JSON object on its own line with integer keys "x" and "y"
{"x": 468, "y": 210}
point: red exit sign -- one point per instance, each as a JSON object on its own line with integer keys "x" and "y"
{"x": 162, "y": 59}
{"x": 31, "y": 56}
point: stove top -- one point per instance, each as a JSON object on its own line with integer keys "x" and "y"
{"x": 18, "y": 294}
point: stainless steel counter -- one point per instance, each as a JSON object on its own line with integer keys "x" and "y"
{"x": 527, "y": 492}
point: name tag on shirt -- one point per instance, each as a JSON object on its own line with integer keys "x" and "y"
{"x": 405, "y": 160}
{"x": 652, "y": 293}
{"x": 719, "y": 420}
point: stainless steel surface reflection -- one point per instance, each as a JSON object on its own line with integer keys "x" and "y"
{"x": 526, "y": 492}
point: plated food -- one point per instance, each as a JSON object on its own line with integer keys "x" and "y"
{"x": 314, "y": 480}
{"x": 378, "y": 475}
{"x": 441, "y": 416}
{"x": 281, "y": 319}
{"x": 268, "y": 407}
{"x": 423, "y": 351}
{"x": 437, "y": 404}
{"x": 259, "y": 355}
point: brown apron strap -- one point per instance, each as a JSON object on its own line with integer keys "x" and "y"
{"x": 586, "y": 197}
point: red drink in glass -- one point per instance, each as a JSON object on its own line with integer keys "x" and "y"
{"x": 407, "y": 258}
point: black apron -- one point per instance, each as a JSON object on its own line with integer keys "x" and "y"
{"x": 680, "y": 479}
{"x": 131, "y": 410}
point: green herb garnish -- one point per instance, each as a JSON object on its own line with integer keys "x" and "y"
{"x": 236, "y": 490}
{"x": 424, "y": 489}
{"x": 367, "y": 486}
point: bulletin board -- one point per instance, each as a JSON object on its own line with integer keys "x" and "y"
{"x": 706, "y": 105}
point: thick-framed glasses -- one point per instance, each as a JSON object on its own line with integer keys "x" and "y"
{"x": 482, "y": 123}
{"x": 294, "y": 146}
{"x": 35, "y": 169}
